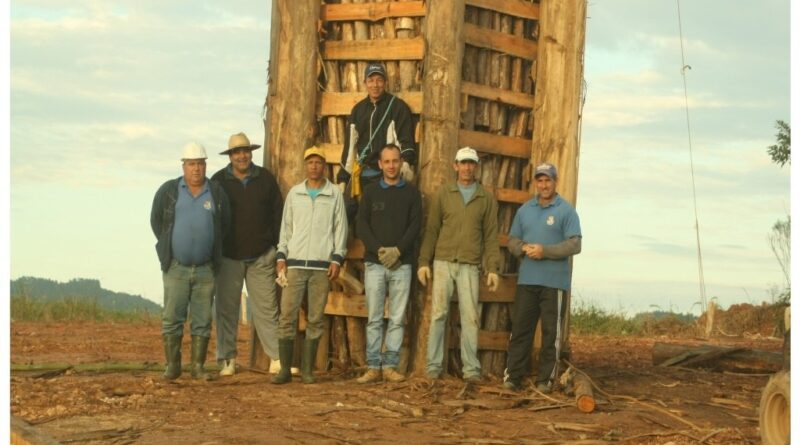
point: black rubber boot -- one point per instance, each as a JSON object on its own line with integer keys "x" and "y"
{"x": 199, "y": 351}
{"x": 172, "y": 350}
{"x": 309, "y": 357}
{"x": 285, "y": 355}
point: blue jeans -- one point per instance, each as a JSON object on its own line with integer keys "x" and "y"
{"x": 187, "y": 289}
{"x": 376, "y": 280}
{"x": 464, "y": 277}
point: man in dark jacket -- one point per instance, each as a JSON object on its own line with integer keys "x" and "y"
{"x": 377, "y": 120}
{"x": 248, "y": 253}
{"x": 189, "y": 218}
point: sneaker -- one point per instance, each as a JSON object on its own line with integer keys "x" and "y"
{"x": 228, "y": 367}
{"x": 371, "y": 376}
{"x": 512, "y": 385}
{"x": 544, "y": 387}
{"x": 391, "y": 375}
{"x": 274, "y": 366}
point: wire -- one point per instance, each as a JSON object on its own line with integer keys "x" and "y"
{"x": 684, "y": 68}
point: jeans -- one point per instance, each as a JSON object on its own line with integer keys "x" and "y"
{"x": 302, "y": 280}
{"x": 464, "y": 277}
{"x": 260, "y": 278}
{"x": 376, "y": 281}
{"x": 187, "y": 289}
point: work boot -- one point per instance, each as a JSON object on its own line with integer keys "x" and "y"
{"x": 544, "y": 387}
{"x": 285, "y": 352}
{"x": 228, "y": 367}
{"x": 391, "y": 375}
{"x": 309, "y": 357}
{"x": 199, "y": 351}
{"x": 371, "y": 376}
{"x": 172, "y": 350}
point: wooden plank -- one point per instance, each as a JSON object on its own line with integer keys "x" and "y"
{"x": 509, "y": 97}
{"x": 333, "y": 152}
{"x": 505, "y": 291}
{"x": 512, "y": 196}
{"x": 495, "y": 143}
{"x": 340, "y": 303}
{"x": 379, "y": 49}
{"x": 498, "y": 41}
{"x": 517, "y": 8}
{"x": 487, "y": 340}
{"x": 341, "y": 104}
{"x": 372, "y": 11}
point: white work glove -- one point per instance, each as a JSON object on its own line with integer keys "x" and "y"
{"x": 424, "y": 274}
{"x": 389, "y": 257}
{"x": 281, "y": 280}
{"x": 492, "y": 281}
{"x": 406, "y": 172}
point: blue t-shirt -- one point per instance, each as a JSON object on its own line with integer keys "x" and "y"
{"x": 193, "y": 232}
{"x": 313, "y": 192}
{"x": 467, "y": 190}
{"x": 552, "y": 224}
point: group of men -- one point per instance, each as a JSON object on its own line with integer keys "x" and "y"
{"x": 216, "y": 235}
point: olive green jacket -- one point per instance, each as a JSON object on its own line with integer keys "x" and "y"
{"x": 462, "y": 233}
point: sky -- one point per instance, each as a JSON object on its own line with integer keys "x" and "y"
{"x": 103, "y": 94}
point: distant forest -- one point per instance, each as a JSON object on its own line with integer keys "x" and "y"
{"x": 43, "y": 290}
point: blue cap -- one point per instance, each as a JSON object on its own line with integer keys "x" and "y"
{"x": 374, "y": 68}
{"x": 546, "y": 169}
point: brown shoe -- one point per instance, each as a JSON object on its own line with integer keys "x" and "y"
{"x": 371, "y": 376}
{"x": 391, "y": 375}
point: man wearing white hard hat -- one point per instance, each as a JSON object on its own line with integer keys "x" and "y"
{"x": 460, "y": 236}
{"x": 189, "y": 218}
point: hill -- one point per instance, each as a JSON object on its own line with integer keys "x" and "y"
{"x": 43, "y": 290}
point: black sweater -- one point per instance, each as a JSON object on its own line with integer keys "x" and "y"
{"x": 389, "y": 217}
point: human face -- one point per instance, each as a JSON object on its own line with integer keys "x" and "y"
{"x": 315, "y": 168}
{"x": 240, "y": 160}
{"x": 390, "y": 165}
{"x": 465, "y": 171}
{"x": 376, "y": 85}
{"x": 545, "y": 188}
{"x": 194, "y": 172}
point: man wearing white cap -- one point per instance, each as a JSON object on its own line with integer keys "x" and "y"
{"x": 190, "y": 217}
{"x": 461, "y": 233}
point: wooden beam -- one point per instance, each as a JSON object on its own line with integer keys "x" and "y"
{"x": 509, "y": 97}
{"x": 487, "y": 340}
{"x": 505, "y": 291}
{"x": 379, "y": 49}
{"x": 340, "y": 303}
{"x": 333, "y": 152}
{"x": 495, "y": 143}
{"x": 517, "y": 8}
{"x": 341, "y": 104}
{"x": 499, "y": 41}
{"x": 371, "y": 11}
{"x": 512, "y": 196}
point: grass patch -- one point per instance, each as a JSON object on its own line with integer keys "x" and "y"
{"x": 590, "y": 319}
{"x": 71, "y": 309}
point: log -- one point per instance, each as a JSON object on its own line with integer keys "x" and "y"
{"x": 716, "y": 358}
{"x": 341, "y": 354}
{"x": 710, "y": 312}
{"x": 584, "y": 395}
{"x": 350, "y": 283}
{"x": 24, "y": 434}
{"x": 356, "y": 340}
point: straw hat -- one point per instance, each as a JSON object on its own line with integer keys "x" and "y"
{"x": 239, "y": 140}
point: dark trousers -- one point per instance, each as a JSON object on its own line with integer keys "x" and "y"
{"x": 530, "y": 304}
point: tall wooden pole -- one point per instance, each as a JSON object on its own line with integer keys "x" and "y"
{"x": 440, "y": 120}
{"x": 272, "y": 74}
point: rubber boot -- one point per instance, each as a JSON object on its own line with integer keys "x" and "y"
{"x": 199, "y": 351}
{"x": 172, "y": 350}
{"x": 309, "y": 357}
{"x": 285, "y": 354}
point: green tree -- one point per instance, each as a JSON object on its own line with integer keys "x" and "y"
{"x": 781, "y": 153}
{"x": 780, "y": 237}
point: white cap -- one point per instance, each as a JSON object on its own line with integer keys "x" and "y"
{"x": 467, "y": 154}
{"x": 193, "y": 150}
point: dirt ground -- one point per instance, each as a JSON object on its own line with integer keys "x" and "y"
{"x": 648, "y": 404}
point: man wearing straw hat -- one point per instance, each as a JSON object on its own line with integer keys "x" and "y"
{"x": 248, "y": 253}
{"x": 190, "y": 217}
{"x": 379, "y": 119}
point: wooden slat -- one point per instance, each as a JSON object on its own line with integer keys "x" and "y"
{"x": 372, "y": 11}
{"x": 512, "y": 196}
{"x": 341, "y": 104}
{"x": 340, "y": 303}
{"x": 517, "y": 8}
{"x": 333, "y": 152}
{"x": 495, "y": 143}
{"x": 498, "y": 41}
{"x": 487, "y": 340}
{"x": 509, "y": 97}
{"x": 505, "y": 291}
{"x": 379, "y": 49}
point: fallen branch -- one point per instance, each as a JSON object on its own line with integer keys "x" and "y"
{"x": 661, "y": 434}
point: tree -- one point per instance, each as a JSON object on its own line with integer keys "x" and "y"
{"x": 780, "y": 237}
{"x": 782, "y": 151}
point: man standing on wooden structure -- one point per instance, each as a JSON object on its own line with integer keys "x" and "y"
{"x": 313, "y": 242}
{"x": 389, "y": 222}
{"x": 545, "y": 233}
{"x": 379, "y": 119}
{"x": 248, "y": 253}
{"x": 190, "y": 217}
{"x": 461, "y": 231}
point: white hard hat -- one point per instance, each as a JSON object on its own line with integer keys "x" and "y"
{"x": 193, "y": 150}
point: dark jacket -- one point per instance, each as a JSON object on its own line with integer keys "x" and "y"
{"x": 389, "y": 217}
{"x": 162, "y": 220}
{"x": 256, "y": 211}
{"x": 397, "y": 128}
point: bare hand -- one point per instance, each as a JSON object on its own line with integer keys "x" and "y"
{"x": 280, "y": 268}
{"x": 333, "y": 271}
{"x": 533, "y": 251}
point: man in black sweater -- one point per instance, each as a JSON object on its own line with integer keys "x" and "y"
{"x": 388, "y": 222}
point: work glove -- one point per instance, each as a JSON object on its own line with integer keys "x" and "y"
{"x": 406, "y": 172}
{"x": 492, "y": 281}
{"x": 389, "y": 257}
{"x": 424, "y": 274}
{"x": 281, "y": 280}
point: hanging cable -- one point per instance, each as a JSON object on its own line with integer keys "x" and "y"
{"x": 684, "y": 68}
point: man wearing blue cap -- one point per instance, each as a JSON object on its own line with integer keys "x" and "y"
{"x": 545, "y": 233}
{"x": 377, "y": 120}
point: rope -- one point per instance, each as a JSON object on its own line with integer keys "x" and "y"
{"x": 684, "y": 67}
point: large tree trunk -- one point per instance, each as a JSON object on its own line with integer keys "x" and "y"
{"x": 716, "y": 358}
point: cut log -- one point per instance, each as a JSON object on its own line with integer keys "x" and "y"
{"x": 584, "y": 396}
{"x": 716, "y": 358}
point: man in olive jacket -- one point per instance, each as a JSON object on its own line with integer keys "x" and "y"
{"x": 461, "y": 231}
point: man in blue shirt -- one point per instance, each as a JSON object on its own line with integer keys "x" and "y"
{"x": 545, "y": 233}
{"x": 189, "y": 217}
